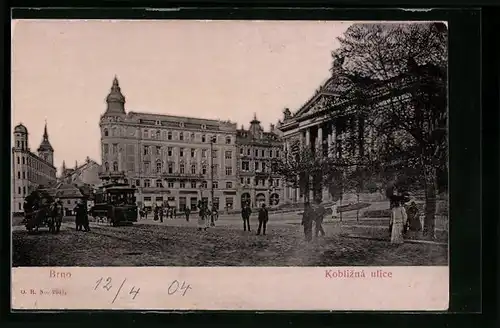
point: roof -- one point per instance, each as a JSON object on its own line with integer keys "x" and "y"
{"x": 66, "y": 190}
{"x": 20, "y": 128}
{"x": 69, "y": 172}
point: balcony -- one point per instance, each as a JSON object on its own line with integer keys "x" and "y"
{"x": 182, "y": 176}
{"x": 111, "y": 175}
{"x": 157, "y": 190}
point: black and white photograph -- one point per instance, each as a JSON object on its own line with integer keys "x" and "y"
{"x": 229, "y": 143}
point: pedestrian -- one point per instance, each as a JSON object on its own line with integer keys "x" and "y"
{"x": 78, "y": 218}
{"x": 81, "y": 217}
{"x": 213, "y": 213}
{"x": 263, "y": 218}
{"x": 145, "y": 212}
{"x": 398, "y": 220}
{"x": 161, "y": 214}
{"x": 85, "y": 217}
{"x": 201, "y": 218}
{"x": 307, "y": 220}
{"x": 174, "y": 211}
{"x": 156, "y": 214}
{"x": 319, "y": 215}
{"x": 414, "y": 224}
{"x": 187, "y": 211}
{"x": 246, "y": 211}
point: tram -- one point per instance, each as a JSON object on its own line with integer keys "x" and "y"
{"x": 115, "y": 204}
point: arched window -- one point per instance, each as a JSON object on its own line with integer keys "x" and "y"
{"x": 203, "y": 138}
{"x": 192, "y": 136}
{"x": 18, "y": 144}
{"x": 19, "y": 175}
{"x": 204, "y": 169}
{"x": 158, "y": 134}
{"x": 193, "y": 168}
{"x": 18, "y": 160}
{"x": 181, "y": 136}
{"x": 228, "y": 140}
{"x": 106, "y": 166}
{"x": 159, "y": 183}
{"x": 181, "y": 168}
{"x": 125, "y": 181}
{"x": 169, "y": 135}
{"x": 24, "y": 162}
{"x": 115, "y": 166}
{"x": 106, "y": 133}
{"x": 158, "y": 167}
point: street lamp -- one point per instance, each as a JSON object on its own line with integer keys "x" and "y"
{"x": 213, "y": 140}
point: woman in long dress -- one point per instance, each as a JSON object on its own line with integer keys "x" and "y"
{"x": 398, "y": 220}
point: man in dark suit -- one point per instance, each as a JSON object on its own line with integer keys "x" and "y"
{"x": 246, "y": 211}
{"x": 263, "y": 218}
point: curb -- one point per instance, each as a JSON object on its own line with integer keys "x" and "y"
{"x": 409, "y": 241}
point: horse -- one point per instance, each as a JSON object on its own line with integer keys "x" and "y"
{"x": 55, "y": 220}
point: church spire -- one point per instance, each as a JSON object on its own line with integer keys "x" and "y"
{"x": 45, "y": 145}
{"x": 64, "y": 166}
{"x": 45, "y": 134}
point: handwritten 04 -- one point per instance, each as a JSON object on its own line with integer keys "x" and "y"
{"x": 108, "y": 285}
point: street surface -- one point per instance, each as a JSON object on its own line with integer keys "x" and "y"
{"x": 176, "y": 242}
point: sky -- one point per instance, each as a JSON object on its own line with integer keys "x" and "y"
{"x": 62, "y": 71}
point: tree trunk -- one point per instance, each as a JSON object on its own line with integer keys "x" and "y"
{"x": 357, "y": 211}
{"x": 430, "y": 201}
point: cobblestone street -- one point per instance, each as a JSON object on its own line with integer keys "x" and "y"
{"x": 178, "y": 243}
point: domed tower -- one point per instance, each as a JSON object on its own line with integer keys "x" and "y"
{"x": 255, "y": 128}
{"x": 45, "y": 150}
{"x": 115, "y": 100}
{"x": 20, "y": 137}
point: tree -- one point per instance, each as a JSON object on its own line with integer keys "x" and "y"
{"x": 300, "y": 166}
{"x": 397, "y": 75}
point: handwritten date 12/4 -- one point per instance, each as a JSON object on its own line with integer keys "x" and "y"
{"x": 108, "y": 285}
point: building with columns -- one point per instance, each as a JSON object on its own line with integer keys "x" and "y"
{"x": 256, "y": 149}
{"x": 325, "y": 123}
{"x": 30, "y": 170}
{"x": 170, "y": 159}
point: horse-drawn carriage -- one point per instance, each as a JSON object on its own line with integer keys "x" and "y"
{"x": 41, "y": 210}
{"x": 115, "y": 204}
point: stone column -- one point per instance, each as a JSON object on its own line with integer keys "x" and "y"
{"x": 334, "y": 140}
{"x": 329, "y": 140}
{"x": 319, "y": 139}
{"x": 308, "y": 137}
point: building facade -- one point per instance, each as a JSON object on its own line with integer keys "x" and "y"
{"x": 84, "y": 174}
{"x": 170, "y": 159}
{"x": 29, "y": 170}
{"x": 334, "y": 123}
{"x": 256, "y": 149}
{"x": 324, "y": 124}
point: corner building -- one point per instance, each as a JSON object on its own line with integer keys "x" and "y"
{"x": 30, "y": 170}
{"x": 170, "y": 159}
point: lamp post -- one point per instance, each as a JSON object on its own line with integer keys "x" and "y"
{"x": 213, "y": 139}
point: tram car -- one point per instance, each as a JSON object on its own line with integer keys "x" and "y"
{"x": 115, "y": 204}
